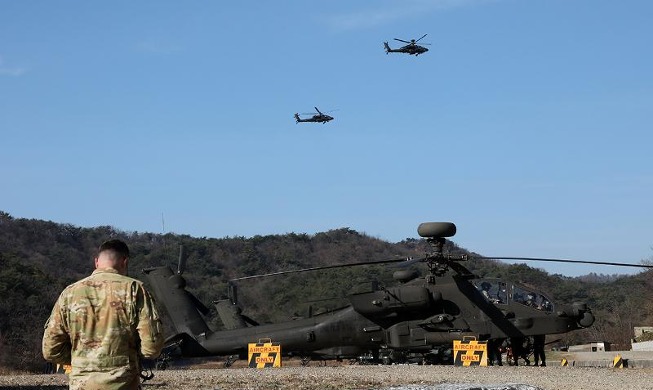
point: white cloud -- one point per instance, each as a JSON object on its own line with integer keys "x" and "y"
{"x": 10, "y": 71}
{"x": 393, "y": 11}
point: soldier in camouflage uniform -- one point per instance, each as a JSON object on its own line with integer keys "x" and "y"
{"x": 103, "y": 324}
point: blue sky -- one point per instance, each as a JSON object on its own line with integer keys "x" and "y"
{"x": 528, "y": 123}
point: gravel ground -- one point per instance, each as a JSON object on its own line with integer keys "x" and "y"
{"x": 411, "y": 377}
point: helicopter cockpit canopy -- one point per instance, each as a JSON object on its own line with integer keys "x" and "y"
{"x": 501, "y": 292}
{"x": 531, "y": 298}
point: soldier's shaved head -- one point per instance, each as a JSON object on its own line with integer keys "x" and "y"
{"x": 117, "y": 246}
{"x": 113, "y": 254}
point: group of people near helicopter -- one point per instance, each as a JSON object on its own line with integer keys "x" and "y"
{"x": 515, "y": 348}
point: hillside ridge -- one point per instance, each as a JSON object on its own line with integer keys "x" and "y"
{"x": 39, "y": 258}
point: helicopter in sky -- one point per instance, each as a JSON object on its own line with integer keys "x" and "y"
{"x": 411, "y": 48}
{"x": 417, "y": 318}
{"x": 317, "y": 117}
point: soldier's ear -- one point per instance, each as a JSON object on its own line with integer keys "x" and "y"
{"x": 96, "y": 260}
{"x": 125, "y": 265}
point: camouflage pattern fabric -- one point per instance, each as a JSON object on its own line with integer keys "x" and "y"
{"x": 100, "y": 325}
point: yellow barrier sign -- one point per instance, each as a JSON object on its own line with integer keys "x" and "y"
{"x": 618, "y": 362}
{"x": 264, "y": 354}
{"x": 64, "y": 369}
{"x": 469, "y": 353}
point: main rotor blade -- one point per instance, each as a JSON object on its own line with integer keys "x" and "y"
{"x": 325, "y": 299}
{"x": 181, "y": 265}
{"x": 401, "y": 40}
{"x": 563, "y": 261}
{"x": 318, "y": 113}
{"x": 321, "y": 268}
{"x": 417, "y": 40}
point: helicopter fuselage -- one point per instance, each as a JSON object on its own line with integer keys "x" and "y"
{"x": 319, "y": 117}
{"x": 316, "y": 118}
{"x": 418, "y": 316}
{"x": 411, "y": 49}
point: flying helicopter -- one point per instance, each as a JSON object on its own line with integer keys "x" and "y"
{"x": 417, "y": 319}
{"x": 317, "y": 117}
{"x": 411, "y": 48}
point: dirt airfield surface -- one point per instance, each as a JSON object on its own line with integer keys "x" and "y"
{"x": 373, "y": 377}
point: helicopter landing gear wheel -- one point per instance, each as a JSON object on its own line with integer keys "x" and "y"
{"x": 230, "y": 360}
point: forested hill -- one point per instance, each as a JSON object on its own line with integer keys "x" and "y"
{"x": 39, "y": 258}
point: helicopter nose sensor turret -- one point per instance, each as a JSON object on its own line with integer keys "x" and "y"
{"x": 580, "y": 313}
{"x": 583, "y": 314}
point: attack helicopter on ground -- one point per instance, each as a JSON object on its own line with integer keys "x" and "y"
{"x": 317, "y": 117}
{"x": 411, "y": 48}
{"x": 417, "y": 319}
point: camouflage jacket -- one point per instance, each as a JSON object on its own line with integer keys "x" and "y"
{"x": 101, "y": 325}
